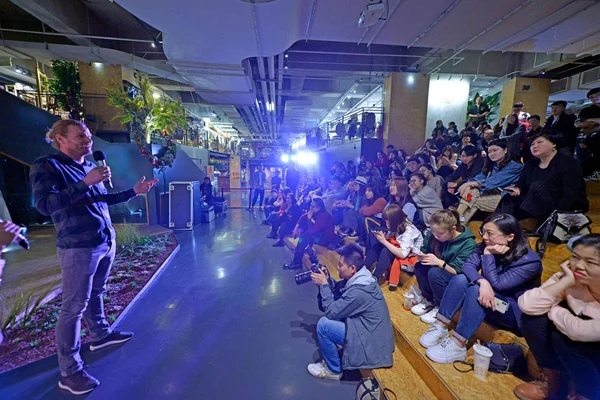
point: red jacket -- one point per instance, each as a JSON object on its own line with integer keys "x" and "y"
{"x": 320, "y": 227}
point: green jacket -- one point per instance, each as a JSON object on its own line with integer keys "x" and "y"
{"x": 454, "y": 252}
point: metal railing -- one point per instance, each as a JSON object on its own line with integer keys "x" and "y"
{"x": 327, "y": 134}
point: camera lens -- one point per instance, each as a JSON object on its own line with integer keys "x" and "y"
{"x": 302, "y": 278}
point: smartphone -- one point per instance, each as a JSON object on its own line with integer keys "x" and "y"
{"x": 501, "y": 305}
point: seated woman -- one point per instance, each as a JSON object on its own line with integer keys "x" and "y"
{"x": 425, "y": 198}
{"x": 447, "y": 162}
{"x": 549, "y": 181}
{"x": 503, "y": 268}
{"x": 398, "y": 248}
{"x": 314, "y": 227}
{"x": 286, "y": 222}
{"x": 270, "y": 204}
{"x": 470, "y": 167}
{"x": 356, "y": 199}
{"x": 398, "y": 195}
{"x": 445, "y": 250}
{"x": 279, "y": 206}
{"x": 482, "y": 192}
{"x": 513, "y": 133}
{"x": 561, "y": 323}
{"x": 434, "y": 181}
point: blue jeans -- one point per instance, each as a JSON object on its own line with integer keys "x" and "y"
{"x": 331, "y": 333}
{"x": 461, "y": 295}
{"x": 432, "y": 282}
{"x": 84, "y": 274}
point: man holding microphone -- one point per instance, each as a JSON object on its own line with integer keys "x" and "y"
{"x": 69, "y": 188}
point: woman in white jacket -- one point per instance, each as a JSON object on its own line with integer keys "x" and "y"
{"x": 561, "y": 323}
{"x": 397, "y": 249}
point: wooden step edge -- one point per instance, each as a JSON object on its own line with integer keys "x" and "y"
{"x": 401, "y": 379}
{"x": 432, "y": 379}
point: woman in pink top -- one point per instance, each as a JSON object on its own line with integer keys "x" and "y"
{"x": 561, "y": 323}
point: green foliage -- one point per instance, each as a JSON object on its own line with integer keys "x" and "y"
{"x": 24, "y": 307}
{"x": 493, "y": 102}
{"x": 34, "y": 343}
{"x": 66, "y": 87}
{"x": 111, "y": 318}
{"x": 146, "y": 116}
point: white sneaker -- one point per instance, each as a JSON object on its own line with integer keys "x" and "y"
{"x": 433, "y": 336}
{"x": 421, "y": 308}
{"x": 446, "y": 352}
{"x": 320, "y": 370}
{"x": 407, "y": 268}
{"x": 430, "y": 317}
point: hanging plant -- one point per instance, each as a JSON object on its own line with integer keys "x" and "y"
{"x": 66, "y": 87}
{"x": 148, "y": 117}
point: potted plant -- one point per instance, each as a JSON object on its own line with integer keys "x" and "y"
{"x": 148, "y": 116}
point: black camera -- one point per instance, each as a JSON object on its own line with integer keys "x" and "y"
{"x": 304, "y": 277}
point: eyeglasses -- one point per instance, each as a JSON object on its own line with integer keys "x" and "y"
{"x": 489, "y": 234}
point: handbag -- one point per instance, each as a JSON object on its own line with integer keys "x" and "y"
{"x": 506, "y": 359}
{"x": 560, "y": 227}
{"x": 369, "y": 389}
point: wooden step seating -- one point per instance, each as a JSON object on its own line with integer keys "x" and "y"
{"x": 426, "y": 379}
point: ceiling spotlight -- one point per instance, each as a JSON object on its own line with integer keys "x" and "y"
{"x": 543, "y": 72}
{"x": 286, "y": 56}
{"x": 354, "y": 91}
{"x": 285, "y": 67}
{"x": 19, "y": 70}
{"x": 153, "y": 44}
{"x": 490, "y": 82}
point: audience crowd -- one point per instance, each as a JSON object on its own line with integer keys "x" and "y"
{"x": 410, "y": 213}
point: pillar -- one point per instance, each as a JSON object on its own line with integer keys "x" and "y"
{"x": 405, "y": 110}
{"x": 532, "y": 92}
{"x": 95, "y": 79}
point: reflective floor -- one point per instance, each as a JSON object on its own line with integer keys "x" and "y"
{"x": 222, "y": 321}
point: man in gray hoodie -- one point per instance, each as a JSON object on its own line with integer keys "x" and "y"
{"x": 356, "y": 318}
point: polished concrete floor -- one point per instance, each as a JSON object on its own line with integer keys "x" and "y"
{"x": 222, "y": 321}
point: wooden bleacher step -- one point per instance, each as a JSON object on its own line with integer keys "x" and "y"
{"x": 442, "y": 379}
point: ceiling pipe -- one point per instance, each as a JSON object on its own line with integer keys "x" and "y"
{"x": 390, "y": 14}
{"x": 313, "y": 8}
{"x": 434, "y": 23}
{"x": 280, "y": 82}
{"x": 579, "y": 39}
{"x": 265, "y": 93}
{"x": 272, "y": 112}
{"x": 78, "y": 35}
{"x": 537, "y": 23}
{"x": 462, "y": 47}
{"x": 343, "y": 53}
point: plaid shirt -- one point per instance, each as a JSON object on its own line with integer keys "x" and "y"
{"x": 80, "y": 213}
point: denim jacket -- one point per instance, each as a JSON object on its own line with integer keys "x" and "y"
{"x": 499, "y": 178}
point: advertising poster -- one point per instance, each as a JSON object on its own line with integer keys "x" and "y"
{"x": 234, "y": 171}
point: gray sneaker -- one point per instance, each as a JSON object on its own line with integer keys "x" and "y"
{"x": 79, "y": 383}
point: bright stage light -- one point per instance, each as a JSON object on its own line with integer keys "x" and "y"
{"x": 294, "y": 157}
{"x": 306, "y": 158}
{"x": 285, "y": 158}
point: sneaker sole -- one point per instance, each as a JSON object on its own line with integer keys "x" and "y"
{"x": 111, "y": 343}
{"x": 76, "y": 393}
{"x": 427, "y": 321}
{"x": 446, "y": 360}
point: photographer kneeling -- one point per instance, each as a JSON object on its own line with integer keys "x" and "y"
{"x": 356, "y": 317}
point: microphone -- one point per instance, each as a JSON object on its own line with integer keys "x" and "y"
{"x": 100, "y": 158}
{"x": 22, "y": 240}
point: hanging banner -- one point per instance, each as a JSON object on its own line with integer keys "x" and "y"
{"x": 235, "y": 172}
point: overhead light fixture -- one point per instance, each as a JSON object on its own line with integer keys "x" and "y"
{"x": 410, "y": 79}
{"x": 285, "y": 67}
{"x": 286, "y": 56}
{"x": 285, "y": 158}
{"x": 19, "y": 70}
{"x": 490, "y": 82}
{"x": 354, "y": 91}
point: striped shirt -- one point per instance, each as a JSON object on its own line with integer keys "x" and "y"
{"x": 79, "y": 212}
